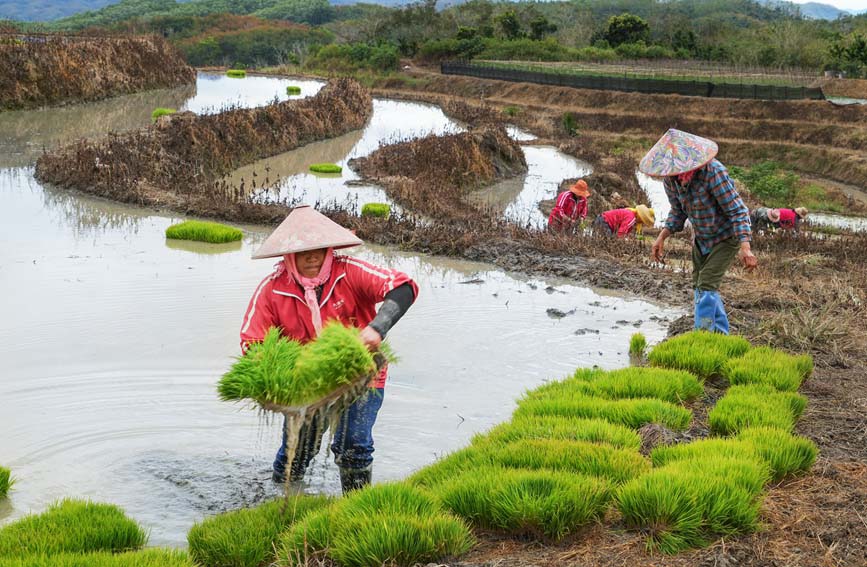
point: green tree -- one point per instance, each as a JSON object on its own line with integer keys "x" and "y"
{"x": 540, "y": 27}
{"x": 626, "y": 28}
{"x": 510, "y": 25}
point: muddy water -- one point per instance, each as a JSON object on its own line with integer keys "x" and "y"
{"x": 112, "y": 340}
{"x": 215, "y": 92}
{"x": 856, "y": 224}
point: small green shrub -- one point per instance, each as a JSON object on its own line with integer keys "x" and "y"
{"x": 293, "y": 90}
{"x": 637, "y": 345}
{"x": 565, "y": 428}
{"x": 236, "y": 73}
{"x": 146, "y": 558}
{"x": 633, "y": 413}
{"x": 203, "y": 231}
{"x": 161, "y": 112}
{"x": 701, "y": 352}
{"x": 755, "y": 405}
{"x": 379, "y": 210}
{"x": 326, "y": 168}
{"x": 6, "y": 481}
{"x": 72, "y": 526}
{"x": 570, "y": 123}
{"x": 246, "y": 538}
{"x": 785, "y": 453}
{"x": 384, "y": 524}
{"x": 511, "y": 111}
{"x": 540, "y": 503}
{"x": 769, "y": 366}
{"x": 673, "y": 386}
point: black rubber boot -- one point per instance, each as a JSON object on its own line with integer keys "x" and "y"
{"x": 354, "y": 479}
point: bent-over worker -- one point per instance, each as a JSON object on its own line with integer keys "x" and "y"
{"x": 621, "y": 222}
{"x": 570, "y": 208}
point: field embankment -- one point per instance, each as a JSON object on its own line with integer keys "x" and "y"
{"x": 178, "y": 161}
{"x": 43, "y": 70}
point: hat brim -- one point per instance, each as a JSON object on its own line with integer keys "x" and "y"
{"x": 677, "y": 152}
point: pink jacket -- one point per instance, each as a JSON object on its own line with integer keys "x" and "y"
{"x": 350, "y": 296}
{"x": 788, "y": 218}
{"x": 568, "y": 208}
{"x": 621, "y": 221}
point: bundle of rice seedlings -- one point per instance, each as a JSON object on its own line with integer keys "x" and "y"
{"x": 700, "y": 352}
{"x": 673, "y": 386}
{"x": 630, "y": 412}
{"x": 378, "y": 210}
{"x": 246, "y": 538}
{"x": 264, "y": 373}
{"x": 541, "y": 503}
{"x": 146, "y": 558}
{"x": 204, "y": 231}
{"x": 565, "y": 428}
{"x": 293, "y": 90}
{"x": 326, "y": 168}
{"x": 637, "y": 345}
{"x": 702, "y": 449}
{"x": 755, "y": 405}
{"x": 72, "y": 526}
{"x": 786, "y": 454}
{"x": 236, "y": 73}
{"x": 161, "y": 112}
{"x": 6, "y": 481}
{"x": 392, "y": 524}
{"x": 770, "y": 366}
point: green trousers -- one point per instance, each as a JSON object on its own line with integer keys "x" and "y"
{"x": 708, "y": 270}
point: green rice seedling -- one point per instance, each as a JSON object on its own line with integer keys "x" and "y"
{"x": 246, "y": 538}
{"x": 703, "y": 449}
{"x": 326, "y": 168}
{"x": 540, "y": 503}
{"x": 700, "y": 352}
{"x": 637, "y": 345}
{"x": 448, "y": 467}
{"x": 264, "y": 373}
{"x": 673, "y": 386}
{"x": 6, "y": 481}
{"x": 755, "y": 405}
{"x": 72, "y": 526}
{"x": 565, "y": 428}
{"x": 146, "y": 558}
{"x": 236, "y": 73}
{"x": 770, "y": 366}
{"x": 786, "y": 454}
{"x": 378, "y": 210}
{"x": 748, "y": 473}
{"x": 308, "y": 539}
{"x": 203, "y": 231}
{"x": 633, "y": 413}
{"x": 293, "y": 90}
{"x": 161, "y": 112}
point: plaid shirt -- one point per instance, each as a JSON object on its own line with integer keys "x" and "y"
{"x": 711, "y": 203}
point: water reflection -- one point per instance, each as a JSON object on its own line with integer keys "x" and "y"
{"x": 203, "y": 247}
{"x": 216, "y": 92}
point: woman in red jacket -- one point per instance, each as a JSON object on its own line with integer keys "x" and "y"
{"x": 312, "y": 285}
{"x": 570, "y": 208}
{"x": 621, "y": 222}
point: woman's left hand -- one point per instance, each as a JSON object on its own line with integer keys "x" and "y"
{"x": 371, "y": 338}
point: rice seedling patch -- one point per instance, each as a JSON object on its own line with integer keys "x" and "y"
{"x": 786, "y": 454}
{"x": 540, "y": 503}
{"x": 246, "y": 538}
{"x": 673, "y": 386}
{"x": 448, "y": 467}
{"x": 161, "y": 112}
{"x": 755, "y": 405}
{"x": 293, "y": 90}
{"x": 565, "y": 428}
{"x": 632, "y": 413}
{"x": 764, "y": 365}
{"x": 145, "y": 558}
{"x": 378, "y": 210}
{"x": 700, "y": 352}
{"x": 326, "y": 168}
{"x": 392, "y": 524}
{"x": 73, "y": 526}
{"x": 204, "y": 231}
{"x": 637, "y": 345}
{"x": 236, "y": 73}
{"x": 6, "y": 481}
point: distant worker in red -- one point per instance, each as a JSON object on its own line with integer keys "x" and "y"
{"x": 620, "y": 222}
{"x": 570, "y": 208}
{"x": 791, "y": 218}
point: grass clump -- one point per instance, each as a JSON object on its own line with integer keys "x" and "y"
{"x": 204, "y": 231}
{"x": 387, "y": 524}
{"x": 246, "y": 538}
{"x": 511, "y": 111}
{"x": 633, "y": 413}
{"x": 770, "y": 366}
{"x": 755, "y": 405}
{"x": 236, "y": 73}
{"x": 326, "y": 168}
{"x": 378, "y": 210}
{"x": 6, "y": 481}
{"x": 637, "y": 345}
{"x": 520, "y": 502}
{"x": 701, "y": 352}
{"x": 564, "y": 428}
{"x": 673, "y": 386}
{"x": 72, "y": 526}
{"x": 161, "y": 112}
{"x": 145, "y": 558}
{"x": 293, "y": 90}
{"x": 281, "y": 371}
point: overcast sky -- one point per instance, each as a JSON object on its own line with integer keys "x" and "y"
{"x": 851, "y": 5}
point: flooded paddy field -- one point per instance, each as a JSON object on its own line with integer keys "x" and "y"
{"x": 113, "y": 338}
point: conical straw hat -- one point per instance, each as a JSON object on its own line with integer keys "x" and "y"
{"x": 305, "y": 229}
{"x": 677, "y": 152}
{"x": 645, "y": 215}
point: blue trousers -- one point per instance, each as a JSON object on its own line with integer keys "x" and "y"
{"x": 353, "y": 437}
{"x": 710, "y": 313}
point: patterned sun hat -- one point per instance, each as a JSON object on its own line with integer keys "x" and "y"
{"x": 677, "y": 152}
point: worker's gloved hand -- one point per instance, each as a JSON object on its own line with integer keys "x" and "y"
{"x": 371, "y": 338}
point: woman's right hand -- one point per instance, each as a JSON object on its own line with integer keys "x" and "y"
{"x": 657, "y": 252}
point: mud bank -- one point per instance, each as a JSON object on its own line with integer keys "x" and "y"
{"x": 178, "y": 161}
{"x": 42, "y": 70}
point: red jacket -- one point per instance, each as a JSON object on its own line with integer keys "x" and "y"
{"x": 350, "y": 295}
{"x": 568, "y": 208}
{"x": 621, "y": 221}
{"x": 788, "y": 218}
